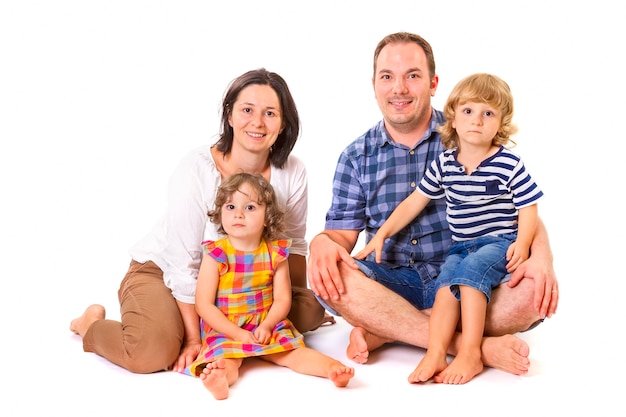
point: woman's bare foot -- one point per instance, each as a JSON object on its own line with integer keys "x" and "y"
{"x": 341, "y": 375}
{"x": 361, "y": 343}
{"x": 463, "y": 367}
{"x": 214, "y": 379}
{"x": 81, "y": 324}
{"x": 430, "y": 365}
{"x": 507, "y": 353}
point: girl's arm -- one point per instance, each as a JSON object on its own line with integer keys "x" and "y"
{"x": 281, "y": 295}
{"x": 206, "y": 291}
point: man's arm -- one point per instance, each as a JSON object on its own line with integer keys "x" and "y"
{"x": 539, "y": 268}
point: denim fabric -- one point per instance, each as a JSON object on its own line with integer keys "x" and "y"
{"x": 479, "y": 263}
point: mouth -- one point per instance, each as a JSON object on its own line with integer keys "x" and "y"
{"x": 256, "y": 135}
{"x": 400, "y": 103}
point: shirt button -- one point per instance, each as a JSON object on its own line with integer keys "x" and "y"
{"x": 413, "y": 185}
{"x": 414, "y": 241}
{"x": 412, "y": 152}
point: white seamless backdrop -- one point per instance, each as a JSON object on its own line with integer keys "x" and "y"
{"x": 100, "y": 100}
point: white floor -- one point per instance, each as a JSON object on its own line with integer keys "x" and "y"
{"x": 49, "y": 374}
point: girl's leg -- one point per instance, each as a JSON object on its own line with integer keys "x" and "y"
{"x": 442, "y": 327}
{"x": 468, "y": 362}
{"x": 218, "y": 376}
{"x": 308, "y": 361}
{"x": 150, "y": 334}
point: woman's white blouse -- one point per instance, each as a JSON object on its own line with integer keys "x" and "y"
{"x": 174, "y": 244}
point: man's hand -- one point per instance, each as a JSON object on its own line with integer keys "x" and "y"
{"x": 546, "y": 297}
{"x": 322, "y": 272}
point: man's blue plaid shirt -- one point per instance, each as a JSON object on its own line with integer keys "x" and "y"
{"x": 373, "y": 175}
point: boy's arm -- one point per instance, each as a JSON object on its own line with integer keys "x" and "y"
{"x": 406, "y": 211}
{"x": 519, "y": 250}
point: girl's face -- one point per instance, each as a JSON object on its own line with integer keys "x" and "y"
{"x": 476, "y": 123}
{"x": 256, "y": 118}
{"x": 243, "y": 218}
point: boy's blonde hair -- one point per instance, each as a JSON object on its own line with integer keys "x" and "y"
{"x": 265, "y": 196}
{"x": 480, "y": 88}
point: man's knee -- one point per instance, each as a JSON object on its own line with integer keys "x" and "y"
{"x": 511, "y": 310}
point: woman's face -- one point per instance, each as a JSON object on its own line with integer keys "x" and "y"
{"x": 256, "y": 118}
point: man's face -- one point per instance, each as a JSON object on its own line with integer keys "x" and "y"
{"x": 403, "y": 86}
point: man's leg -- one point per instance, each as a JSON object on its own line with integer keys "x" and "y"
{"x": 380, "y": 316}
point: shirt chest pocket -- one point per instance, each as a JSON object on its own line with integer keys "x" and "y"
{"x": 495, "y": 187}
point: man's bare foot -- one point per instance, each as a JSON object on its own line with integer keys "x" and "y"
{"x": 507, "y": 353}
{"x": 214, "y": 379}
{"x": 361, "y": 343}
{"x": 430, "y": 365}
{"x": 341, "y": 375}
{"x": 81, "y": 324}
{"x": 463, "y": 367}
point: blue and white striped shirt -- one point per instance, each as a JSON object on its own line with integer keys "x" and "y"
{"x": 486, "y": 201}
{"x": 373, "y": 175}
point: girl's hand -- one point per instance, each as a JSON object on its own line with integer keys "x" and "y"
{"x": 263, "y": 334}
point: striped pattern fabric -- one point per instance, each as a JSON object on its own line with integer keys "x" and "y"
{"x": 244, "y": 295}
{"x": 484, "y": 202}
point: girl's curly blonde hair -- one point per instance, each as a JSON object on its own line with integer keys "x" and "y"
{"x": 480, "y": 88}
{"x": 264, "y": 196}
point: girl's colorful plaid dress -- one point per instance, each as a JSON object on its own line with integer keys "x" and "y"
{"x": 244, "y": 295}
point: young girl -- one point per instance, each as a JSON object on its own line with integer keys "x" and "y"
{"x": 492, "y": 212}
{"x": 243, "y": 293}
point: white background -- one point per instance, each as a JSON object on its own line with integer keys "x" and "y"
{"x": 99, "y": 100}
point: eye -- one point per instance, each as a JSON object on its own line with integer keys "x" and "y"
{"x": 229, "y": 206}
{"x": 270, "y": 113}
{"x": 467, "y": 111}
{"x": 385, "y": 77}
{"x": 489, "y": 113}
{"x": 250, "y": 207}
{"x": 246, "y": 110}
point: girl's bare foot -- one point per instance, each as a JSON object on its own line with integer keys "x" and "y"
{"x": 81, "y": 324}
{"x": 361, "y": 342}
{"x": 214, "y": 379}
{"x": 430, "y": 365}
{"x": 507, "y": 353}
{"x": 341, "y": 375}
{"x": 463, "y": 367}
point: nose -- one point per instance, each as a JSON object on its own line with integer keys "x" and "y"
{"x": 399, "y": 86}
{"x": 477, "y": 119}
{"x": 238, "y": 213}
{"x": 257, "y": 119}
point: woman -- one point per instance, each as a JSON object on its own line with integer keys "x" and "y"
{"x": 160, "y": 329}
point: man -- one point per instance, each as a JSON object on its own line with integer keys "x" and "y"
{"x": 391, "y": 301}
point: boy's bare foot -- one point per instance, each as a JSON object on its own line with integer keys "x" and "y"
{"x": 507, "y": 353}
{"x": 81, "y": 324}
{"x": 341, "y": 375}
{"x": 213, "y": 378}
{"x": 463, "y": 367}
{"x": 430, "y": 365}
{"x": 361, "y": 343}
